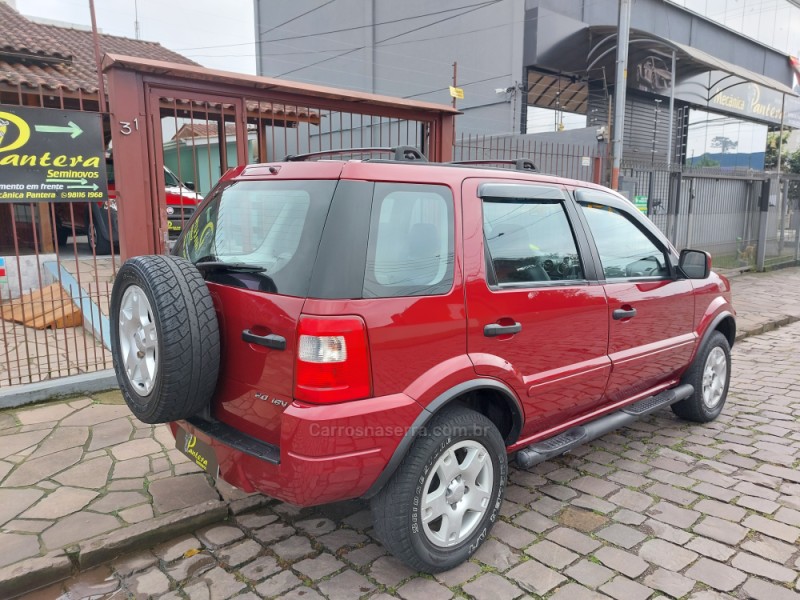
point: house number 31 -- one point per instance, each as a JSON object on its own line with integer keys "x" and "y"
{"x": 125, "y": 126}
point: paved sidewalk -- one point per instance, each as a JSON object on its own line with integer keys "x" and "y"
{"x": 82, "y": 480}
{"x": 766, "y": 300}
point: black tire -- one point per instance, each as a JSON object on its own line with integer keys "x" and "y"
{"x": 187, "y": 348}
{"x": 62, "y": 234}
{"x": 694, "y": 408}
{"x": 396, "y": 509}
{"x": 99, "y": 243}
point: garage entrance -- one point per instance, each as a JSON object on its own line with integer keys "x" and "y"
{"x": 176, "y": 128}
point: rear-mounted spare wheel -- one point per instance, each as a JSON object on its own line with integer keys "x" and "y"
{"x": 164, "y": 338}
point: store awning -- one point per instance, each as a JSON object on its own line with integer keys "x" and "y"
{"x": 603, "y": 43}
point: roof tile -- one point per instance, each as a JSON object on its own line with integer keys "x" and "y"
{"x": 38, "y": 55}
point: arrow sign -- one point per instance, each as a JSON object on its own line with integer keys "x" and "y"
{"x": 81, "y": 181}
{"x": 92, "y": 187}
{"x": 70, "y": 128}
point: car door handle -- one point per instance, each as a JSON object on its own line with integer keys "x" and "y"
{"x": 622, "y": 313}
{"x": 493, "y": 329}
{"x": 276, "y": 342}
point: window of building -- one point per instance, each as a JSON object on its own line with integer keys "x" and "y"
{"x": 771, "y": 22}
{"x": 555, "y": 102}
{"x": 543, "y": 120}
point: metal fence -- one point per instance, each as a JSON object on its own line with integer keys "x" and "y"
{"x": 57, "y": 265}
{"x": 745, "y": 219}
{"x": 57, "y": 261}
{"x": 575, "y": 161}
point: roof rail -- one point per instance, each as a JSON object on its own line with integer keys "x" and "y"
{"x": 401, "y": 153}
{"x": 520, "y": 164}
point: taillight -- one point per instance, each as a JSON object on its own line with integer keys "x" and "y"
{"x": 332, "y": 360}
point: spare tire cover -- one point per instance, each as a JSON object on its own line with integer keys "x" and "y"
{"x": 164, "y": 338}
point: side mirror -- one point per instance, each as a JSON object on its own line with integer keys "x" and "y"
{"x": 189, "y": 185}
{"x": 695, "y": 264}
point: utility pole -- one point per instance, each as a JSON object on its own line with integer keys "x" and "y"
{"x": 455, "y": 80}
{"x": 623, "y": 37}
{"x": 101, "y": 88}
{"x": 455, "y": 85}
{"x": 780, "y": 134}
{"x": 670, "y": 152}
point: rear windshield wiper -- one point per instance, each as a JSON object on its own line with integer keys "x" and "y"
{"x": 218, "y": 265}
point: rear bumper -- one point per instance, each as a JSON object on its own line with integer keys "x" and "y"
{"x": 327, "y": 452}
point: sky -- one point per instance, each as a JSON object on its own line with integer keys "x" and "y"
{"x": 186, "y": 26}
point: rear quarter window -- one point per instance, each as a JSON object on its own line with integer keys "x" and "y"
{"x": 410, "y": 247}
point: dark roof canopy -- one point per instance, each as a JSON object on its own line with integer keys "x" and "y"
{"x": 690, "y": 59}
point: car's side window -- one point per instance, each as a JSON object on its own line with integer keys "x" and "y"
{"x": 530, "y": 241}
{"x": 411, "y": 240}
{"x": 625, "y": 250}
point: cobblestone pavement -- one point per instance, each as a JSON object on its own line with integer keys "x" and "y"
{"x": 660, "y": 508}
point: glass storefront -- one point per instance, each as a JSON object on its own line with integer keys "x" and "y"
{"x": 716, "y": 140}
{"x": 775, "y": 23}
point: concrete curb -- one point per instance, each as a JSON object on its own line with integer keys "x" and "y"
{"x": 149, "y": 533}
{"x": 35, "y": 573}
{"x": 52, "y": 389}
{"x": 765, "y": 327}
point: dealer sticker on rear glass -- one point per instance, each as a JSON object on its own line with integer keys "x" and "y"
{"x": 201, "y": 453}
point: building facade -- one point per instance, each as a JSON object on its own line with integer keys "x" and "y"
{"x": 536, "y": 66}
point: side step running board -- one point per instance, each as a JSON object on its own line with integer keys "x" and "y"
{"x": 571, "y": 438}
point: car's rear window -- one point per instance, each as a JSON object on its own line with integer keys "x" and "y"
{"x": 271, "y": 224}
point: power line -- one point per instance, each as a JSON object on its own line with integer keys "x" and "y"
{"x": 343, "y": 30}
{"x": 459, "y": 85}
{"x": 381, "y": 50}
{"x": 319, "y": 62}
{"x": 415, "y": 41}
{"x": 266, "y": 31}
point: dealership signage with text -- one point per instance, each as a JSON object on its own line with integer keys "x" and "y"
{"x": 49, "y": 155}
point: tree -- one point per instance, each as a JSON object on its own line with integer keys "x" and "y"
{"x": 791, "y": 164}
{"x": 724, "y": 143}
{"x": 771, "y": 152}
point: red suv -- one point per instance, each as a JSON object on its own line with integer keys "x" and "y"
{"x": 398, "y": 331}
{"x": 101, "y": 225}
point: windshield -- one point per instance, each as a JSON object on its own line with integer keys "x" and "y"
{"x": 275, "y": 225}
{"x": 169, "y": 179}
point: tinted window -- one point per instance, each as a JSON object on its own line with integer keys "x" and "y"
{"x": 530, "y": 241}
{"x": 625, "y": 250}
{"x": 272, "y": 224}
{"x": 410, "y": 248}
